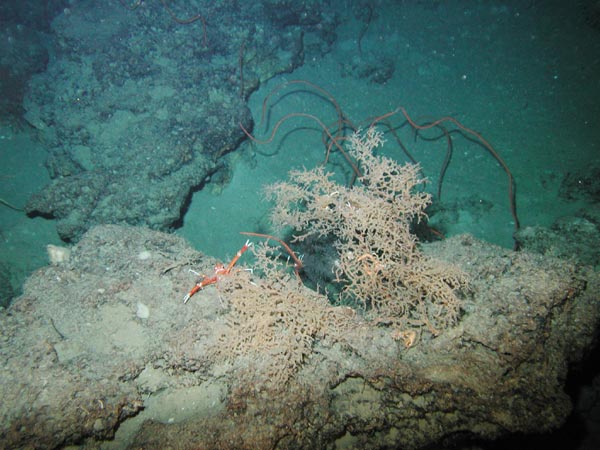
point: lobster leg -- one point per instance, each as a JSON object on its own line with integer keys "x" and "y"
{"x": 238, "y": 255}
{"x": 220, "y": 269}
{"x": 206, "y": 281}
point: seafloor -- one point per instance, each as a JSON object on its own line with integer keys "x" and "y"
{"x": 122, "y": 139}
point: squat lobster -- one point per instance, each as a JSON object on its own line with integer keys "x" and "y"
{"x": 220, "y": 269}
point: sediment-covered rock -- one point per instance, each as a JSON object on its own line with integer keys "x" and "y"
{"x": 80, "y": 363}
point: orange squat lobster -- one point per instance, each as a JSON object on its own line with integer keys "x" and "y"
{"x": 220, "y": 269}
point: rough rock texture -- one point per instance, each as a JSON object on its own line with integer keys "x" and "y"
{"x": 21, "y": 56}
{"x": 105, "y": 336}
{"x": 140, "y": 112}
{"x": 569, "y": 237}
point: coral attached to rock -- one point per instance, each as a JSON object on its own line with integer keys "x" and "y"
{"x": 380, "y": 265}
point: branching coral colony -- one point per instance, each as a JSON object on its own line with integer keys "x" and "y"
{"x": 379, "y": 266}
{"x": 379, "y": 262}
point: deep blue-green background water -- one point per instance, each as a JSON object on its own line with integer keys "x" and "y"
{"x": 523, "y": 74}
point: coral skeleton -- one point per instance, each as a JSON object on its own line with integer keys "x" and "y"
{"x": 380, "y": 264}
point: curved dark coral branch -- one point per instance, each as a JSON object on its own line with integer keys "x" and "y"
{"x": 334, "y": 135}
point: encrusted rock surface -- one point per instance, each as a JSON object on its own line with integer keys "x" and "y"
{"x": 80, "y": 365}
{"x": 139, "y": 113}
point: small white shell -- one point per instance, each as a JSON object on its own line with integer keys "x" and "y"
{"x": 142, "y": 311}
{"x": 58, "y": 255}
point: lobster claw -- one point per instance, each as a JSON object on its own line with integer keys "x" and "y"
{"x": 192, "y": 292}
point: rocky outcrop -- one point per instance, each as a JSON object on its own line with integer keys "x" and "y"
{"x": 101, "y": 346}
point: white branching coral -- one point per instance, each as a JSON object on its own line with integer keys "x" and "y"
{"x": 274, "y": 315}
{"x": 379, "y": 264}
